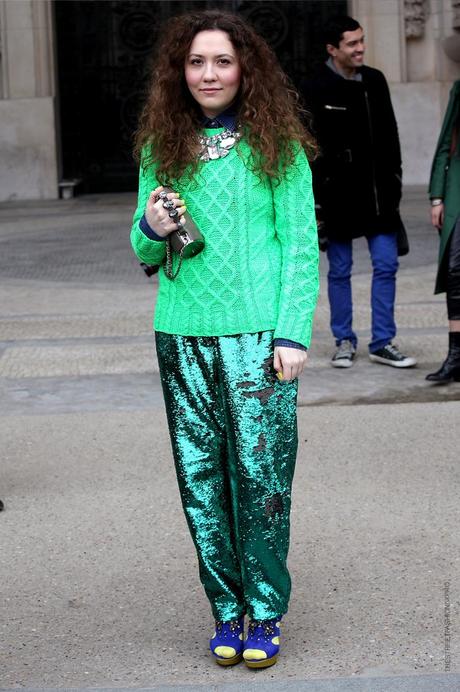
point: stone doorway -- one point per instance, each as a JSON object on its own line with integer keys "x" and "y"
{"x": 103, "y": 49}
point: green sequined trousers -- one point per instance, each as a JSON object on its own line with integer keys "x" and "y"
{"x": 233, "y": 428}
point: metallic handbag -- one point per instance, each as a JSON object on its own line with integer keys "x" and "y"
{"x": 187, "y": 241}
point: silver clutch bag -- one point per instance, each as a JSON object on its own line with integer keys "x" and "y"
{"x": 187, "y": 240}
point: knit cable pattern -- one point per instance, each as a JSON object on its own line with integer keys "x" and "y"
{"x": 259, "y": 268}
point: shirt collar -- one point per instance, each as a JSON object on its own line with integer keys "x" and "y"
{"x": 357, "y": 77}
{"x": 225, "y": 119}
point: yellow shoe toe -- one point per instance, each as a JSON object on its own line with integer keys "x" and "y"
{"x": 254, "y": 654}
{"x": 225, "y": 651}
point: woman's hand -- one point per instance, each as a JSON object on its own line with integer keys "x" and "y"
{"x": 158, "y": 217}
{"x": 437, "y": 215}
{"x": 289, "y": 362}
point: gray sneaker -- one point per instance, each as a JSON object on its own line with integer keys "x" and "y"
{"x": 391, "y": 355}
{"x": 344, "y": 356}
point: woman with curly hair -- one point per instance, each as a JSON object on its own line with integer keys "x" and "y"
{"x": 221, "y": 128}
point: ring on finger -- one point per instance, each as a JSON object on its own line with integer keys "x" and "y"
{"x": 173, "y": 214}
{"x": 168, "y": 204}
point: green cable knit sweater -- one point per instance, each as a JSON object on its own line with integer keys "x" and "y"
{"x": 259, "y": 268}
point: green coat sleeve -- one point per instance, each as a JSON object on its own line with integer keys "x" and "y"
{"x": 442, "y": 154}
{"x": 295, "y": 226}
{"x": 148, "y": 251}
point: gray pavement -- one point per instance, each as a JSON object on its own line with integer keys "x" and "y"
{"x": 425, "y": 683}
{"x": 98, "y": 573}
{"x": 76, "y": 305}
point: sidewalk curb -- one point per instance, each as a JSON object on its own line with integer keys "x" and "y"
{"x": 443, "y": 682}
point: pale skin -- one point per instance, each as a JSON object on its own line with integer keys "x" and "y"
{"x": 213, "y": 76}
{"x": 349, "y": 55}
{"x": 437, "y": 215}
{"x": 437, "y": 219}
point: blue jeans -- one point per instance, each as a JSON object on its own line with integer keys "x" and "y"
{"x": 383, "y": 250}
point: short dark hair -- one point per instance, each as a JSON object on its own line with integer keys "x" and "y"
{"x": 336, "y": 27}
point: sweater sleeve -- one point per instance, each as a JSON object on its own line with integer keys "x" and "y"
{"x": 147, "y": 250}
{"x": 295, "y": 226}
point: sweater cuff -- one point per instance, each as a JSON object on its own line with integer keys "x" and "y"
{"x": 149, "y": 232}
{"x": 289, "y": 344}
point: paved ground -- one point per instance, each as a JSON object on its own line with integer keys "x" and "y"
{"x": 99, "y": 583}
{"x": 77, "y": 310}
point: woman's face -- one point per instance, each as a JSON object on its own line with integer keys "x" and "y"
{"x": 212, "y": 71}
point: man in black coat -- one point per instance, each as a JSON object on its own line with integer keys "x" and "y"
{"x": 357, "y": 184}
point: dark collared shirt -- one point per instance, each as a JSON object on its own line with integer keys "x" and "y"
{"x": 355, "y": 77}
{"x": 225, "y": 119}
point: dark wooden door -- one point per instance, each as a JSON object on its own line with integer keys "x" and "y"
{"x": 103, "y": 49}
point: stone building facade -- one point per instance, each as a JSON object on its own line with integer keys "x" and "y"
{"x": 416, "y": 43}
{"x": 28, "y": 133}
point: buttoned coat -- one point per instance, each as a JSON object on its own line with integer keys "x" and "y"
{"x": 445, "y": 180}
{"x": 357, "y": 177}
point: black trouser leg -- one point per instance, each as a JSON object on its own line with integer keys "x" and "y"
{"x": 450, "y": 369}
{"x": 453, "y": 275}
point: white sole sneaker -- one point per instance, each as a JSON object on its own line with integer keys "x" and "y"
{"x": 406, "y": 363}
{"x": 342, "y": 363}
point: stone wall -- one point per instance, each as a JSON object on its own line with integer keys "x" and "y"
{"x": 28, "y": 157}
{"x": 414, "y": 42}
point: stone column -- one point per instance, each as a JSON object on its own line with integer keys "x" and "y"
{"x": 451, "y": 40}
{"x": 383, "y": 26}
{"x": 406, "y": 40}
{"x": 28, "y": 166}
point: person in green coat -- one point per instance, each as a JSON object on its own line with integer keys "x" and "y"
{"x": 445, "y": 216}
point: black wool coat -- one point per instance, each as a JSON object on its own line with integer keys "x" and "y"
{"x": 357, "y": 176}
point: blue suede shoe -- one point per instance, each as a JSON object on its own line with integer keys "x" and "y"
{"x": 262, "y": 644}
{"x": 227, "y": 642}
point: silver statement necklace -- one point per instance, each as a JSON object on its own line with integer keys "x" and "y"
{"x": 217, "y": 146}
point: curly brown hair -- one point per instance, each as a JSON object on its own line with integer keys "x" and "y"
{"x": 268, "y": 109}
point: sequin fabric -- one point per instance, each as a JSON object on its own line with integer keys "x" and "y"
{"x": 233, "y": 430}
